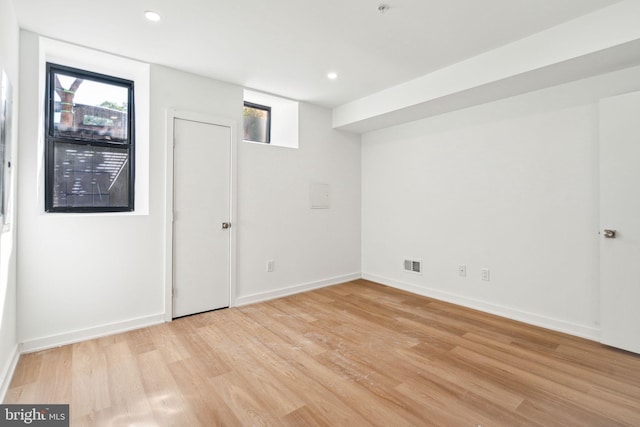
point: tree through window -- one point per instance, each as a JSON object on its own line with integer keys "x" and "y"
{"x": 89, "y": 142}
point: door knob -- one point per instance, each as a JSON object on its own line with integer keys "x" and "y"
{"x": 226, "y": 225}
{"x": 610, "y": 234}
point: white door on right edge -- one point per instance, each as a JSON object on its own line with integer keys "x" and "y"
{"x": 620, "y": 221}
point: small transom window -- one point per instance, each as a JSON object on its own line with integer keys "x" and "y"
{"x": 257, "y": 123}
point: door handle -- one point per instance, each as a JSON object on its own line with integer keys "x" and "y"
{"x": 226, "y": 225}
{"x": 609, "y": 234}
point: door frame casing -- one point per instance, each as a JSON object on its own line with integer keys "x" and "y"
{"x": 171, "y": 115}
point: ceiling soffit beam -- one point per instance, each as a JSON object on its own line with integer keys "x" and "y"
{"x": 599, "y": 42}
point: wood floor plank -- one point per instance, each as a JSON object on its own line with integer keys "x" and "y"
{"x": 202, "y": 401}
{"x": 162, "y": 391}
{"x": 124, "y": 384}
{"x": 53, "y": 381}
{"x": 355, "y": 354}
{"x": 89, "y": 369}
{"x": 557, "y": 369}
{"x": 277, "y": 396}
{"x": 276, "y": 354}
{"x": 607, "y": 413}
{"x": 439, "y": 366}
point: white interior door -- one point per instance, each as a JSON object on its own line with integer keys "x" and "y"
{"x": 201, "y": 201}
{"x": 620, "y": 211}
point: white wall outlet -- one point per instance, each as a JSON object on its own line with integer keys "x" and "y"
{"x": 485, "y": 274}
{"x": 270, "y": 265}
{"x": 462, "y": 270}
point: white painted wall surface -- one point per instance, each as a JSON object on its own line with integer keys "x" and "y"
{"x": 511, "y": 186}
{"x": 178, "y": 91}
{"x": 309, "y": 247}
{"x": 81, "y": 275}
{"x": 9, "y": 55}
{"x": 87, "y": 275}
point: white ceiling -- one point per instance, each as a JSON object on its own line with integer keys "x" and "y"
{"x": 287, "y": 47}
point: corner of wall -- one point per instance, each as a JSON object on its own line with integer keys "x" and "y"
{"x": 7, "y": 372}
{"x": 9, "y": 347}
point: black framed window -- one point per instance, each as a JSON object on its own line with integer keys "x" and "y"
{"x": 89, "y": 142}
{"x": 257, "y": 123}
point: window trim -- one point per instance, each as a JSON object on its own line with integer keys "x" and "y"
{"x": 266, "y": 108}
{"x": 50, "y": 139}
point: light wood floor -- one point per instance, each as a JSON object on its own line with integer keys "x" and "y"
{"x": 353, "y": 354}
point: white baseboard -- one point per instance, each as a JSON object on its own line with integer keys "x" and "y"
{"x": 487, "y": 307}
{"x": 283, "y": 292}
{"x": 7, "y": 372}
{"x": 90, "y": 333}
{"x": 44, "y": 343}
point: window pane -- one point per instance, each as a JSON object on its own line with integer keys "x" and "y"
{"x": 89, "y": 176}
{"x": 256, "y": 123}
{"x": 88, "y": 109}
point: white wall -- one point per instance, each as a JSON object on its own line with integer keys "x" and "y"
{"x": 184, "y": 92}
{"x": 310, "y": 248}
{"x": 511, "y": 186}
{"x": 86, "y": 275}
{"x": 80, "y": 275}
{"x": 9, "y": 42}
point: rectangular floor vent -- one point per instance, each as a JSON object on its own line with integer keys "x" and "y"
{"x": 413, "y": 266}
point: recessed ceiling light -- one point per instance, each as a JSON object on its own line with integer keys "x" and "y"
{"x": 152, "y": 16}
{"x": 332, "y": 76}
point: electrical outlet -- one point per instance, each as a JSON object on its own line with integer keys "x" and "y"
{"x": 462, "y": 270}
{"x": 485, "y": 274}
{"x": 270, "y": 265}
